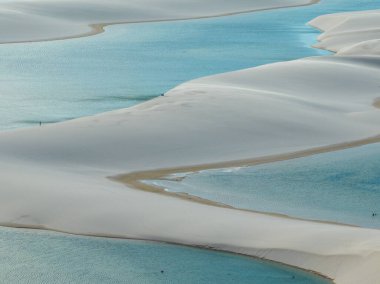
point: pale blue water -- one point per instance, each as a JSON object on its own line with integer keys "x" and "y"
{"x": 54, "y": 81}
{"x": 45, "y": 257}
{"x": 341, "y": 186}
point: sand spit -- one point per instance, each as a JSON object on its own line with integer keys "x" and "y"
{"x": 55, "y": 176}
{"x": 53, "y": 181}
{"x": 41, "y": 20}
{"x": 137, "y": 179}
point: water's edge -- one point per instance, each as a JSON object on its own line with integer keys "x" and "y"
{"x": 137, "y": 180}
{"x": 98, "y": 28}
{"x": 133, "y": 238}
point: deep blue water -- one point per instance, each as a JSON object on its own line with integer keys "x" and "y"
{"x": 54, "y": 81}
{"x": 45, "y": 257}
{"x": 341, "y": 186}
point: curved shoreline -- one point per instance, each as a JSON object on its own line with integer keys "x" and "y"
{"x": 135, "y": 179}
{"x": 99, "y": 28}
{"x": 205, "y": 247}
{"x": 309, "y": 257}
{"x": 290, "y": 251}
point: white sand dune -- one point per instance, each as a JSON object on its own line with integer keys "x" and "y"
{"x": 350, "y": 33}
{"x": 35, "y": 20}
{"x": 54, "y": 177}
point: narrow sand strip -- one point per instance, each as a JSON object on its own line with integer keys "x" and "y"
{"x": 52, "y": 181}
{"x": 53, "y": 177}
{"x": 35, "y": 21}
{"x": 136, "y": 179}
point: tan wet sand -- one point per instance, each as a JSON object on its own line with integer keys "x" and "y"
{"x": 98, "y": 28}
{"x": 135, "y": 179}
{"x": 376, "y": 103}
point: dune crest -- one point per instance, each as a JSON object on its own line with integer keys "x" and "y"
{"x": 55, "y": 177}
{"x": 350, "y": 33}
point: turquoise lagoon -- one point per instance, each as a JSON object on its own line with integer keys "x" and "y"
{"x": 129, "y": 64}
{"x": 59, "y": 80}
{"x": 342, "y": 186}
{"x": 46, "y": 257}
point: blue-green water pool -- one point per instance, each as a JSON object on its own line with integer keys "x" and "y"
{"x": 128, "y": 64}
{"x": 342, "y": 186}
{"x": 45, "y": 257}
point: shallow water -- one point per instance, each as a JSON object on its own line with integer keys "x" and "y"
{"x": 45, "y": 257}
{"x": 341, "y": 186}
{"x": 54, "y": 81}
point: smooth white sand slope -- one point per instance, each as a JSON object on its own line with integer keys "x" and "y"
{"x": 54, "y": 176}
{"x": 350, "y": 33}
{"x": 268, "y": 110}
{"x": 33, "y": 20}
